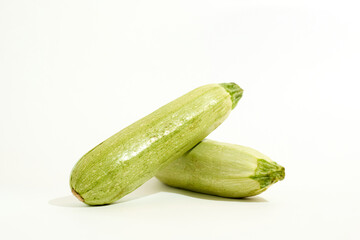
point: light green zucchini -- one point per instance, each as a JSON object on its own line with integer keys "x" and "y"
{"x": 222, "y": 169}
{"x": 132, "y": 156}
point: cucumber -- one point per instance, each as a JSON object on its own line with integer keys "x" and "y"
{"x": 222, "y": 169}
{"x": 132, "y": 156}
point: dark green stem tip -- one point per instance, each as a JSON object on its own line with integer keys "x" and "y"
{"x": 235, "y": 92}
{"x": 268, "y": 173}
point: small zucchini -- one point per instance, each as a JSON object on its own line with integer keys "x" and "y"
{"x": 132, "y": 156}
{"x": 222, "y": 169}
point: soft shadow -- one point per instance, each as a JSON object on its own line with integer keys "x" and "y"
{"x": 151, "y": 187}
{"x": 210, "y": 197}
{"x": 68, "y": 201}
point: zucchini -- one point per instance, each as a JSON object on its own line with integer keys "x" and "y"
{"x": 126, "y": 160}
{"x": 222, "y": 169}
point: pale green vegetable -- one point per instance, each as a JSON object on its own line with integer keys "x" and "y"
{"x": 222, "y": 169}
{"x": 132, "y": 156}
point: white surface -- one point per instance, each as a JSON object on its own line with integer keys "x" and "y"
{"x": 72, "y": 73}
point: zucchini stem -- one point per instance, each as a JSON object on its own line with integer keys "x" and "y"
{"x": 235, "y": 92}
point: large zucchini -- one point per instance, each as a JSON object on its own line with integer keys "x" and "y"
{"x": 222, "y": 169}
{"x": 132, "y": 156}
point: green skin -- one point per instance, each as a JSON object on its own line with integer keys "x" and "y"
{"x": 132, "y": 156}
{"x": 222, "y": 169}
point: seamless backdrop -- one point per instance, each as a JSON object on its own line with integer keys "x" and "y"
{"x": 72, "y": 73}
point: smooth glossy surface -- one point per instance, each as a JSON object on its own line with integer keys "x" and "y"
{"x": 132, "y": 156}
{"x": 222, "y": 169}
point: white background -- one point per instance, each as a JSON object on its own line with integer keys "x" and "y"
{"x": 72, "y": 73}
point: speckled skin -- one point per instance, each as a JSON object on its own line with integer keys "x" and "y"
{"x": 132, "y": 156}
{"x": 222, "y": 169}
